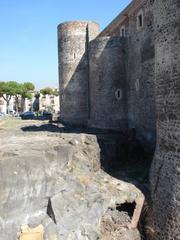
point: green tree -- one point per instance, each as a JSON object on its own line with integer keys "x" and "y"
{"x": 18, "y": 90}
{"x": 55, "y": 92}
{"x": 7, "y": 90}
{"x": 26, "y": 93}
{"x": 46, "y": 91}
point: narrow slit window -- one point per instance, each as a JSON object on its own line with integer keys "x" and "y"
{"x": 137, "y": 85}
{"x": 140, "y": 20}
{"x": 118, "y": 94}
{"x": 122, "y": 31}
{"x": 140, "y": 23}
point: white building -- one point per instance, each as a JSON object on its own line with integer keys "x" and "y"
{"x": 3, "y": 105}
{"x": 46, "y": 102}
{"x": 49, "y": 102}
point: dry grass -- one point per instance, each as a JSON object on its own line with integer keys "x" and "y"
{"x": 13, "y": 122}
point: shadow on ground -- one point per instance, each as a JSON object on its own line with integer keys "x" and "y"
{"x": 122, "y": 154}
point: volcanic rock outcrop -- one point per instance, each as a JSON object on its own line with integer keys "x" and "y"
{"x": 55, "y": 180}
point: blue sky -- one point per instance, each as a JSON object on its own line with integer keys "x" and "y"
{"x": 28, "y": 34}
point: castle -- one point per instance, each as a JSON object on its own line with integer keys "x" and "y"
{"x": 127, "y": 76}
{"x": 106, "y": 78}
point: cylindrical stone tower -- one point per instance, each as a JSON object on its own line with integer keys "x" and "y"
{"x": 165, "y": 172}
{"x": 108, "y": 83}
{"x": 73, "y": 39}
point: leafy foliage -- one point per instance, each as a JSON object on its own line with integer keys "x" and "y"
{"x": 29, "y": 86}
{"x": 26, "y": 90}
{"x": 49, "y": 91}
{"x": 13, "y": 88}
{"x": 46, "y": 91}
{"x": 55, "y": 92}
{"x": 9, "y": 88}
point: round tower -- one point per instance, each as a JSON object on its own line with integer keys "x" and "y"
{"x": 165, "y": 172}
{"x": 107, "y": 83}
{"x": 73, "y": 40}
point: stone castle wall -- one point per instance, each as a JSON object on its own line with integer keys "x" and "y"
{"x": 107, "y": 83}
{"x": 165, "y": 172}
{"x": 140, "y": 75}
{"x": 73, "y": 38}
{"x": 142, "y": 63}
{"x": 93, "y": 75}
{"x": 139, "y": 67}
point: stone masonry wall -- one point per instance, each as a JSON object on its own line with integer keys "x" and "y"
{"x": 73, "y": 38}
{"x": 107, "y": 83}
{"x": 140, "y": 75}
{"x": 147, "y": 68}
{"x": 139, "y": 68}
{"x": 165, "y": 172}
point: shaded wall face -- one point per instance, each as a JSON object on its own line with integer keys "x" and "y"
{"x": 140, "y": 76}
{"x": 140, "y": 72}
{"x": 107, "y": 83}
{"x": 165, "y": 177}
{"x": 73, "y": 38}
